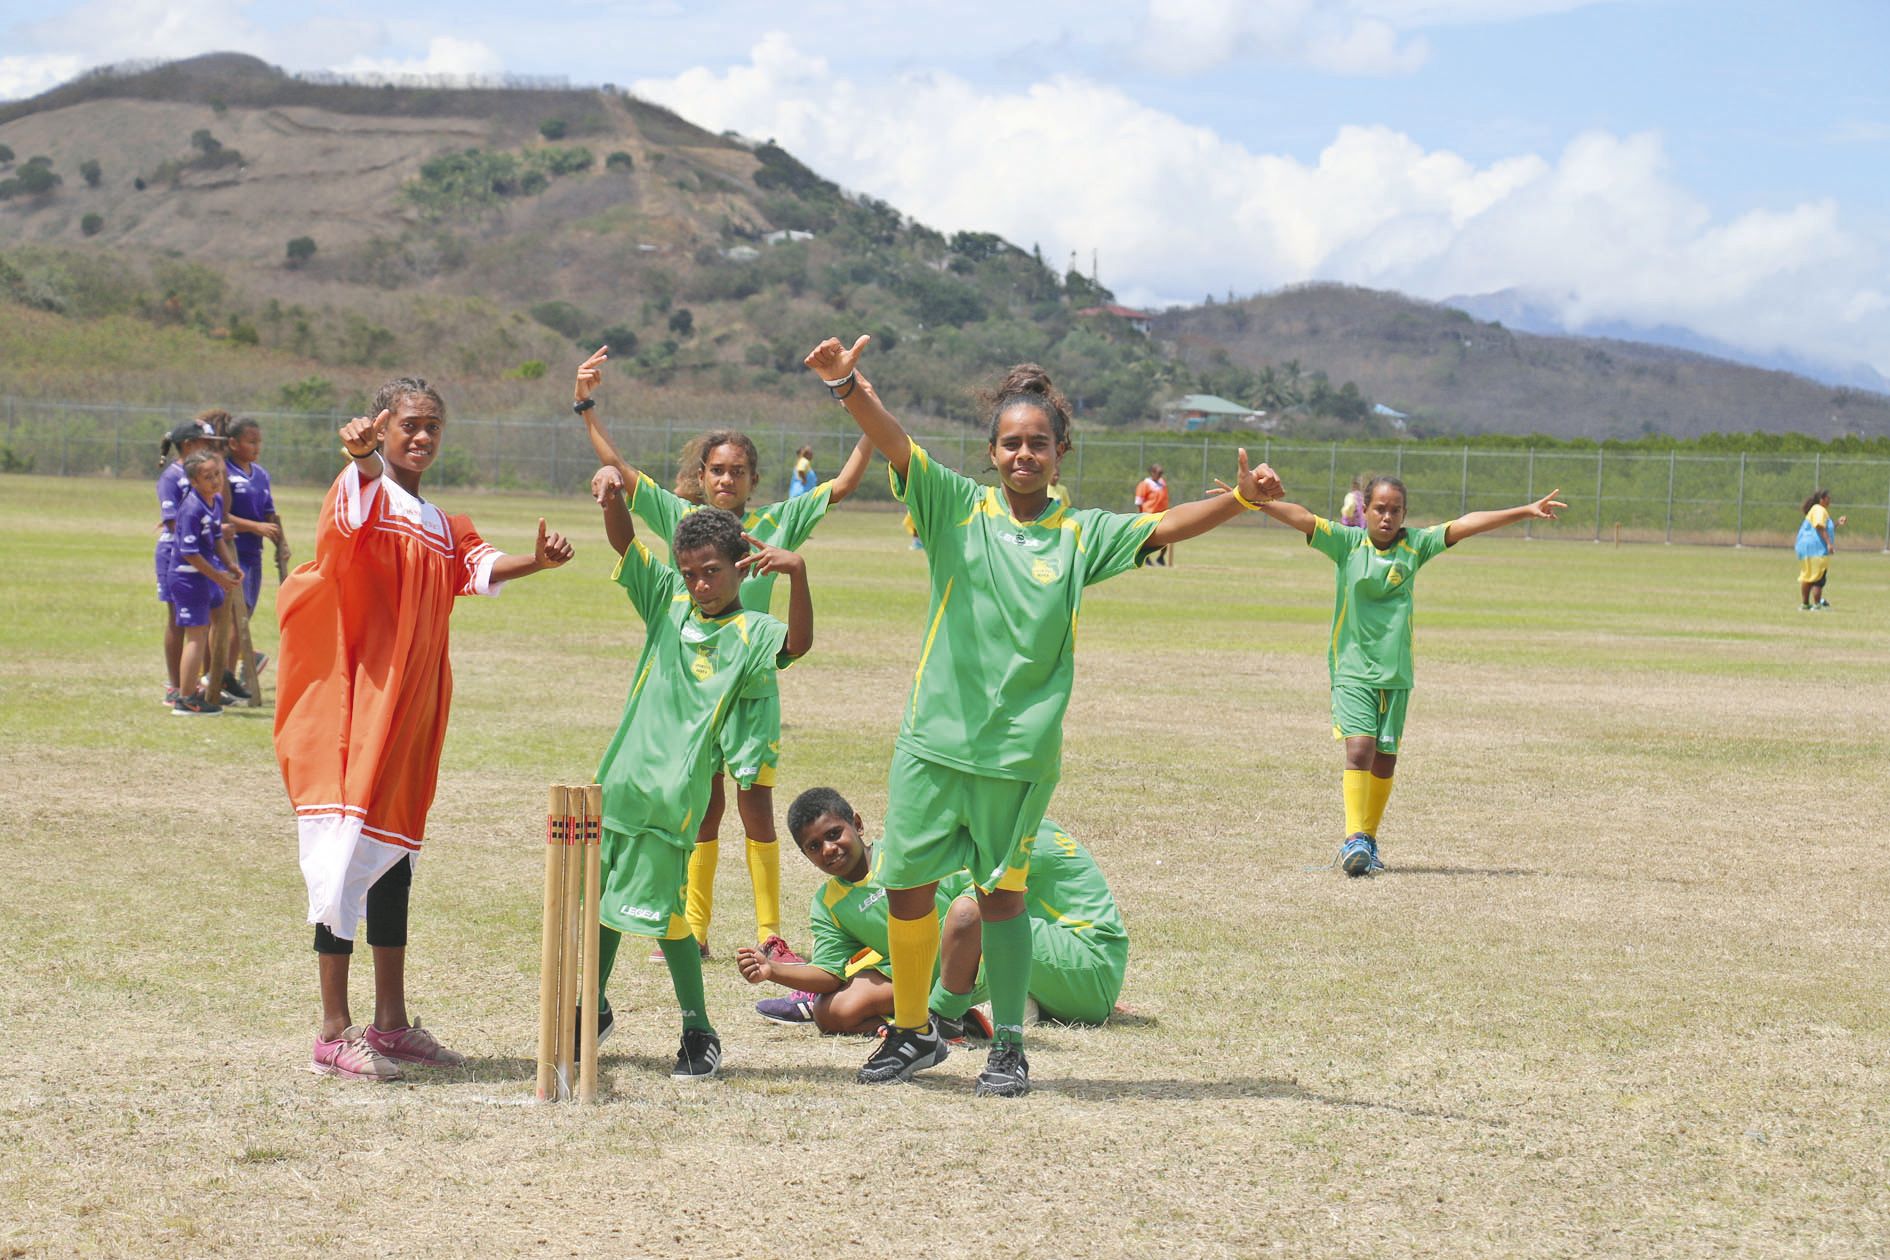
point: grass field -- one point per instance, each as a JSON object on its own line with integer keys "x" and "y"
{"x": 1622, "y": 993}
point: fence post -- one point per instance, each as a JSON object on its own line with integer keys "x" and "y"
{"x": 1078, "y": 492}
{"x": 1670, "y": 463}
{"x": 1399, "y": 474}
{"x": 556, "y": 429}
{"x": 1530, "y": 493}
{"x": 1463, "y": 493}
{"x": 1817, "y": 469}
{"x": 1886, "y": 522}
{"x": 1332, "y": 482}
{"x": 1739, "y": 520}
{"x": 1204, "y": 465}
{"x": 1141, "y": 453}
{"x": 1600, "y": 452}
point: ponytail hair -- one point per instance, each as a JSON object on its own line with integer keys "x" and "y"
{"x": 1030, "y": 385}
{"x": 215, "y": 421}
{"x": 196, "y": 460}
{"x": 1817, "y": 497}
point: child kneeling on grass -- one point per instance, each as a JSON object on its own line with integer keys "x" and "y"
{"x": 702, "y": 651}
{"x": 1078, "y": 946}
{"x": 1369, "y": 660}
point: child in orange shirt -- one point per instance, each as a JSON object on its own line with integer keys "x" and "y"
{"x": 362, "y": 704}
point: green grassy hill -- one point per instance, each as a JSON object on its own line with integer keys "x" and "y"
{"x": 215, "y": 230}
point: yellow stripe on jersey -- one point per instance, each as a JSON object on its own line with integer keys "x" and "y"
{"x": 641, "y": 679}
{"x": 931, "y": 635}
{"x": 1057, "y": 916}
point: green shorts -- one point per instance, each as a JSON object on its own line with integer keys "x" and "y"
{"x": 1076, "y": 979}
{"x": 645, "y": 873}
{"x": 1362, "y": 709}
{"x": 750, "y": 741}
{"x": 1075, "y": 976}
{"x": 940, "y": 819}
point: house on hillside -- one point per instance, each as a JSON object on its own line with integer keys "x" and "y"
{"x": 1141, "y": 321}
{"x": 782, "y": 236}
{"x": 1398, "y": 419}
{"x": 1200, "y": 411}
{"x": 741, "y": 253}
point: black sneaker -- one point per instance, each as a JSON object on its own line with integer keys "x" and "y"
{"x": 700, "y": 1056}
{"x": 606, "y": 1025}
{"x": 973, "y": 1023}
{"x": 902, "y": 1052}
{"x": 195, "y": 706}
{"x": 233, "y": 688}
{"x": 1006, "y": 1073}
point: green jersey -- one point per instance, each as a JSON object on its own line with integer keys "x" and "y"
{"x": 998, "y": 655}
{"x": 657, "y": 771}
{"x": 848, "y": 923}
{"x": 1065, "y": 888}
{"x": 1065, "y": 891}
{"x": 785, "y": 525}
{"x": 1371, "y": 610}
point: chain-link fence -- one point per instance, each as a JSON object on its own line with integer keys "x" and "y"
{"x": 1746, "y": 499}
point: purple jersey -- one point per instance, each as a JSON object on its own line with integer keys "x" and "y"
{"x": 251, "y": 499}
{"x": 198, "y": 529}
{"x": 171, "y": 488}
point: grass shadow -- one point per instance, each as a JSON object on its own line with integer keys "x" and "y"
{"x": 1235, "y": 1088}
{"x": 1507, "y": 871}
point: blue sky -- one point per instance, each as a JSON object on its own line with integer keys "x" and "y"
{"x": 1714, "y": 165}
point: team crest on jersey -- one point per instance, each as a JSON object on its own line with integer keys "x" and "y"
{"x": 703, "y": 667}
{"x": 1044, "y": 571}
{"x": 1394, "y": 576}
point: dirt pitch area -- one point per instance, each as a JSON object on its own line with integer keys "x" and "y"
{"x": 1622, "y": 992}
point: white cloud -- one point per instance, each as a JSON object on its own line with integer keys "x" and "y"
{"x": 102, "y": 31}
{"x": 21, "y": 77}
{"x": 1177, "y": 210}
{"x": 445, "y": 55}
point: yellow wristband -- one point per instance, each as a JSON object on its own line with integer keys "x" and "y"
{"x": 1241, "y": 499}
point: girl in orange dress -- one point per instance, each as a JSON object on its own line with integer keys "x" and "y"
{"x": 361, "y": 709}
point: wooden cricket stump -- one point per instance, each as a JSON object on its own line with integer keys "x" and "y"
{"x": 568, "y": 946}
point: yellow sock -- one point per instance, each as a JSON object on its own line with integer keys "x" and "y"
{"x": 764, "y": 872}
{"x": 914, "y": 945}
{"x": 1357, "y": 794}
{"x": 1378, "y": 793}
{"x": 701, "y": 887}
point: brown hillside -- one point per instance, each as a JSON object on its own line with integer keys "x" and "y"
{"x": 1453, "y": 373}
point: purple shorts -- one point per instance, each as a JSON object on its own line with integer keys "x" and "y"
{"x": 163, "y": 560}
{"x": 193, "y": 596}
{"x": 252, "y": 567}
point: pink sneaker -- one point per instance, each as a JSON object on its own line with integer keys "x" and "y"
{"x": 352, "y": 1055}
{"x": 776, "y": 950}
{"x": 413, "y": 1044}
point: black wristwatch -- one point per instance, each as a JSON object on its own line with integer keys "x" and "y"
{"x": 583, "y": 406}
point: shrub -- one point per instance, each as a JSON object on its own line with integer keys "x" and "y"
{"x": 311, "y": 393}
{"x": 301, "y": 249}
{"x": 92, "y": 224}
{"x": 530, "y": 370}
{"x": 92, "y": 172}
{"x": 6, "y": 155}
{"x": 34, "y": 180}
{"x": 619, "y": 161}
{"x": 682, "y": 322}
{"x": 621, "y": 339}
{"x": 553, "y": 128}
{"x": 564, "y": 161}
{"x": 561, "y": 317}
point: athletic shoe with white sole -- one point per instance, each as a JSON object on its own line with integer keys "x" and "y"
{"x": 413, "y": 1044}
{"x": 353, "y": 1056}
{"x": 902, "y": 1052}
{"x": 1355, "y": 855}
{"x": 195, "y": 706}
{"x": 1006, "y": 1073}
{"x": 700, "y": 1056}
{"x": 973, "y": 1023}
{"x": 606, "y": 1025}
{"x": 776, "y": 950}
{"x": 796, "y": 1008}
